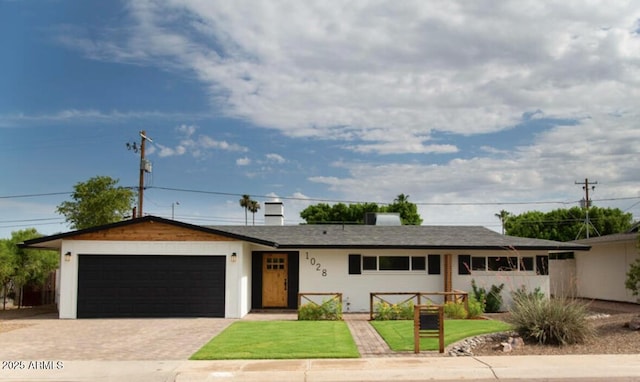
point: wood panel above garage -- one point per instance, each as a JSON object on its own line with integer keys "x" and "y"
{"x": 149, "y": 231}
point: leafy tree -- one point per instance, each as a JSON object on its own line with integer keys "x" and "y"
{"x": 30, "y": 266}
{"x": 568, "y": 224}
{"x": 7, "y": 269}
{"x": 244, "y": 203}
{"x": 633, "y": 274}
{"x": 408, "y": 211}
{"x": 96, "y": 202}
{"x": 323, "y": 213}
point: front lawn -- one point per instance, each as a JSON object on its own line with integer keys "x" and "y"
{"x": 281, "y": 340}
{"x": 399, "y": 333}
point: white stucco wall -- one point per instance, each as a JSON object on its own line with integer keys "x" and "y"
{"x": 356, "y": 288}
{"x": 512, "y": 280}
{"x": 601, "y": 272}
{"x": 237, "y": 274}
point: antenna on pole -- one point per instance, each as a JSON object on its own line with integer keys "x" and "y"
{"x": 145, "y": 166}
{"x": 586, "y": 203}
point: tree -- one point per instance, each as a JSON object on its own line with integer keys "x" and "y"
{"x": 96, "y": 202}
{"x": 254, "y": 206}
{"x": 29, "y": 265}
{"x": 568, "y": 224}
{"x": 503, "y": 215}
{"x": 323, "y": 213}
{"x": 633, "y": 274}
{"x": 7, "y": 269}
{"x": 244, "y": 203}
{"x": 408, "y": 211}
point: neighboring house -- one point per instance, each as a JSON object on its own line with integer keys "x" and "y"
{"x": 601, "y": 272}
{"x": 154, "y": 267}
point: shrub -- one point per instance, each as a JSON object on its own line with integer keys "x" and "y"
{"x": 329, "y": 310}
{"x": 523, "y": 293}
{"x": 385, "y": 311}
{"x": 475, "y": 308}
{"x": 632, "y": 282}
{"x": 550, "y": 321}
{"x": 455, "y": 310}
{"x": 490, "y": 301}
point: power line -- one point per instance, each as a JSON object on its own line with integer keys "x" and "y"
{"x": 339, "y": 200}
{"x": 360, "y": 201}
{"x": 34, "y": 195}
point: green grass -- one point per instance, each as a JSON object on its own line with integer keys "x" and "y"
{"x": 280, "y": 340}
{"x": 399, "y": 334}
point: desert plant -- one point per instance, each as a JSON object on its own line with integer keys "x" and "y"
{"x": 491, "y": 301}
{"x": 550, "y": 321}
{"x": 522, "y": 292}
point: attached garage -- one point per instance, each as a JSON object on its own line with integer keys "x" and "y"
{"x": 151, "y": 286}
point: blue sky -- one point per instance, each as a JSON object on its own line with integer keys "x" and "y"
{"x": 467, "y": 108}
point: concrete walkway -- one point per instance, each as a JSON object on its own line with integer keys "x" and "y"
{"x": 610, "y": 368}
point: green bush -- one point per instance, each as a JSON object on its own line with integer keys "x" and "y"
{"x": 475, "y": 308}
{"x": 329, "y": 310}
{"x": 455, "y": 310}
{"x": 550, "y": 321}
{"x": 491, "y": 301}
{"x": 385, "y": 311}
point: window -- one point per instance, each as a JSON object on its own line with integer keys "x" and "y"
{"x": 418, "y": 263}
{"x": 542, "y": 265}
{"x": 468, "y": 264}
{"x": 390, "y": 263}
{"x": 502, "y": 263}
{"x": 526, "y": 264}
{"x": 394, "y": 263}
{"x": 478, "y": 263}
{"x": 369, "y": 263}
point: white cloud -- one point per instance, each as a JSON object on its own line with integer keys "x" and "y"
{"x": 197, "y": 145}
{"x": 243, "y": 161}
{"x": 346, "y": 69}
{"x": 414, "y": 67}
{"x": 275, "y": 158}
{"x": 382, "y": 77}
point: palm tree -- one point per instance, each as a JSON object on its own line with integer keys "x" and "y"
{"x": 503, "y": 216}
{"x": 244, "y": 203}
{"x": 254, "y": 206}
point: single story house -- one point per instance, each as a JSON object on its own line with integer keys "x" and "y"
{"x": 601, "y": 272}
{"x": 155, "y": 267}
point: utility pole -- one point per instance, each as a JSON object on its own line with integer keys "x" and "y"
{"x": 145, "y": 166}
{"x": 587, "y": 202}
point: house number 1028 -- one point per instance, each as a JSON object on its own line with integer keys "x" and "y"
{"x": 317, "y": 265}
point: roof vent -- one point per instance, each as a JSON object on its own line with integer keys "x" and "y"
{"x": 380, "y": 218}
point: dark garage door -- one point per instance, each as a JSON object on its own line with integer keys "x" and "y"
{"x": 150, "y": 286}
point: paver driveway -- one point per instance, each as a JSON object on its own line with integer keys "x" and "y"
{"x": 46, "y": 337}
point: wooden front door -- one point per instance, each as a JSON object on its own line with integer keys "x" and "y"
{"x": 274, "y": 280}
